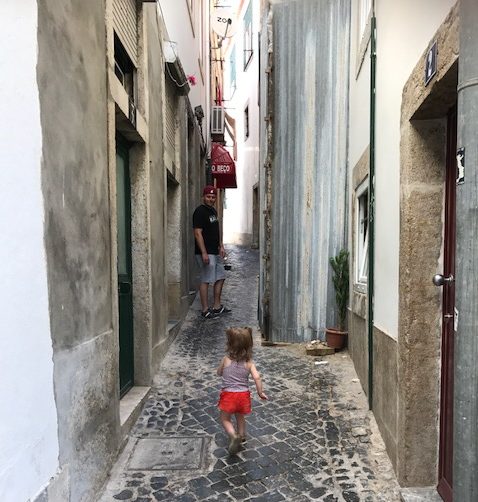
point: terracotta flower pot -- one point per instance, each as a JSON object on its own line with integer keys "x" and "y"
{"x": 335, "y": 338}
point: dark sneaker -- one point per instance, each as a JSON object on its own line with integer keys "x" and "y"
{"x": 234, "y": 444}
{"x": 221, "y": 310}
{"x": 207, "y": 314}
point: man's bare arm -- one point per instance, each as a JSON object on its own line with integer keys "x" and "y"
{"x": 200, "y": 242}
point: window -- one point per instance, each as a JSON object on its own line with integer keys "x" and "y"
{"x": 248, "y": 35}
{"x": 246, "y": 122}
{"x": 125, "y": 69}
{"x": 361, "y": 255}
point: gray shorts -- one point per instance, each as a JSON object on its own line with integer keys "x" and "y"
{"x": 212, "y": 272}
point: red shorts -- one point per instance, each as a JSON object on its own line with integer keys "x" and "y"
{"x": 235, "y": 402}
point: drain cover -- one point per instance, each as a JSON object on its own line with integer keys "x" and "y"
{"x": 168, "y": 453}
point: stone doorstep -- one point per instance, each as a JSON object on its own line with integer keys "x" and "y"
{"x": 131, "y": 405}
{"x": 319, "y": 350}
{"x": 267, "y": 343}
{"x": 427, "y": 494}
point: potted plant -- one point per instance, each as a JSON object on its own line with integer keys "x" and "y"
{"x": 336, "y": 337}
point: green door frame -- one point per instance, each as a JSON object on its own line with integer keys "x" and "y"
{"x": 125, "y": 269}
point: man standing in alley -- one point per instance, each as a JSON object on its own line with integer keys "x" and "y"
{"x": 209, "y": 252}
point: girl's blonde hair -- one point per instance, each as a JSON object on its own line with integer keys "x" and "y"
{"x": 239, "y": 343}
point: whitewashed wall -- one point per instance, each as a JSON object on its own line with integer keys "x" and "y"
{"x": 184, "y": 28}
{"x": 238, "y": 212}
{"x": 403, "y": 28}
{"x": 28, "y": 420}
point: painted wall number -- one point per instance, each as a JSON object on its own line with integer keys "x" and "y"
{"x": 431, "y": 63}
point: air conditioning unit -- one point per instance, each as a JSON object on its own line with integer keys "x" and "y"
{"x": 217, "y": 120}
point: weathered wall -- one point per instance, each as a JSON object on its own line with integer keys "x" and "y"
{"x": 196, "y": 182}
{"x": 385, "y": 387}
{"x": 193, "y": 180}
{"x": 28, "y": 417}
{"x": 72, "y": 84}
{"x": 422, "y": 174}
{"x": 266, "y": 152}
{"x": 157, "y": 184}
{"x": 357, "y": 344}
{"x": 309, "y": 169}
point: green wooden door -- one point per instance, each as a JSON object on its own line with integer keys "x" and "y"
{"x": 125, "y": 276}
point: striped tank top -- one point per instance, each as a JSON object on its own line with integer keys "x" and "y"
{"x": 235, "y": 377}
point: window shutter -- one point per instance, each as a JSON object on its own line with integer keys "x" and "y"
{"x": 171, "y": 125}
{"x": 126, "y": 26}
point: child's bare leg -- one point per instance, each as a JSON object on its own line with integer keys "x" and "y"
{"x": 241, "y": 425}
{"x": 234, "y": 439}
{"x": 227, "y": 423}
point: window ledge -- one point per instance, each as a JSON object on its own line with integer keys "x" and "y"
{"x": 359, "y": 300}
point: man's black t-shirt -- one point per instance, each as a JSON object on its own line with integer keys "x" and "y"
{"x": 205, "y": 217}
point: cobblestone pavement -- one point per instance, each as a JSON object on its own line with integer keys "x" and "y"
{"x": 313, "y": 440}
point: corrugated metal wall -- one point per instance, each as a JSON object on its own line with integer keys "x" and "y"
{"x": 310, "y": 54}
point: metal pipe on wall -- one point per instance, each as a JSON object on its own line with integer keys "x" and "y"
{"x": 371, "y": 206}
{"x": 465, "y": 423}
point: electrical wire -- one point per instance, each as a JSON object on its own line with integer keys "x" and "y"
{"x": 158, "y": 4}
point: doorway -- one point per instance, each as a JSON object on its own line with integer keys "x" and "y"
{"x": 445, "y": 466}
{"x": 255, "y": 216}
{"x": 125, "y": 275}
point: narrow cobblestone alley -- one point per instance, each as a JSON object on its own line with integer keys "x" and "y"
{"x": 313, "y": 440}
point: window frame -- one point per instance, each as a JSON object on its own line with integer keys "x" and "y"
{"x": 364, "y": 31}
{"x": 361, "y": 235}
{"x": 365, "y": 8}
{"x": 246, "y": 122}
{"x": 248, "y": 37}
{"x": 192, "y": 15}
{"x": 124, "y": 69}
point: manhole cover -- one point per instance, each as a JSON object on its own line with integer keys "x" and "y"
{"x": 168, "y": 453}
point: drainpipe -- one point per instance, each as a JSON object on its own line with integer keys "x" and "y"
{"x": 465, "y": 444}
{"x": 371, "y": 206}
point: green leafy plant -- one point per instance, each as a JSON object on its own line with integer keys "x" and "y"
{"x": 340, "y": 279}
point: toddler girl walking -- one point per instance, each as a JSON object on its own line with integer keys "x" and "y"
{"x": 235, "y": 398}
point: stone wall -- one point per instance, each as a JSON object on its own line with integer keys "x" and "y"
{"x": 422, "y": 175}
{"x": 73, "y": 100}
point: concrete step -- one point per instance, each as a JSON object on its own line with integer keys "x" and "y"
{"x": 425, "y": 494}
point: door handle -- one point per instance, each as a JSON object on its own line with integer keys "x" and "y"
{"x": 439, "y": 279}
{"x": 448, "y": 316}
{"x": 124, "y": 287}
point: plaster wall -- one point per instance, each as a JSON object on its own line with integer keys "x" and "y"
{"x": 408, "y": 27}
{"x": 29, "y": 429}
{"x": 239, "y": 204}
{"x": 184, "y": 28}
{"x": 357, "y": 344}
{"x": 156, "y": 92}
{"x": 72, "y": 71}
{"x": 359, "y": 90}
{"x": 385, "y": 390}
